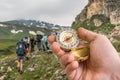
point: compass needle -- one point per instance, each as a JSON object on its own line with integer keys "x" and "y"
{"x": 68, "y": 38}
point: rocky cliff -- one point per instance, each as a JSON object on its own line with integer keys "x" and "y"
{"x": 108, "y": 8}
{"x": 101, "y": 16}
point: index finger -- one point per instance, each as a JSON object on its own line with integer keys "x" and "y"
{"x": 51, "y": 39}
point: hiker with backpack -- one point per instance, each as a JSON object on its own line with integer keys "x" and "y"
{"x": 20, "y": 51}
{"x": 44, "y": 43}
{"x": 27, "y": 49}
{"x": 32, "y": 41}
{"x": 39, "y": 36}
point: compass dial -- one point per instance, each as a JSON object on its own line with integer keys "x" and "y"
{"x": 67, "y": 38}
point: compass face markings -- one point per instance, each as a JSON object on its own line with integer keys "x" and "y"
{"x": 67, "y": 38}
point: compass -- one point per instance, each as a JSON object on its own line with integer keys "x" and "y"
{"x": 67, "y": 38}
{"x": 68, "y": 41}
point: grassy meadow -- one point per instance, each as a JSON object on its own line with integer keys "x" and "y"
{"x": 40, "y": 66}
{"x": 7, "y": 47}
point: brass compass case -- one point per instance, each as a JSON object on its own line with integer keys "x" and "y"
{"x": 68, "y": 41}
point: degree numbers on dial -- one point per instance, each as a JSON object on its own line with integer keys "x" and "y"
{"x": 67, "y": 38}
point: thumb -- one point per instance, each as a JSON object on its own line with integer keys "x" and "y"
{"x": 86, "y": 34}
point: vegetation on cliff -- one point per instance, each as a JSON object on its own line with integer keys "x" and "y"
{"x": 89, "y": 24}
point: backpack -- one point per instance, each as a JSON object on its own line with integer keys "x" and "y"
{"x": 26, "y": 41}
{"x": 45, "y": 40}
{"x": 20, "y": 48}
{"x": 39, "y": 37}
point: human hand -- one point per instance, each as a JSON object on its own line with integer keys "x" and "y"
{"x": 103, "y": 64}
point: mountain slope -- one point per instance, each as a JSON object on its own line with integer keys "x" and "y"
{"x": 34, "y": 23}
{"x": 41, "y": 66}
{"x": 5, "y": 30}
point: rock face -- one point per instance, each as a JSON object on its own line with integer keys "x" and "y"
{"x": 97, "y": 22}
{"x": 101, "y": 16}
{"x": 115, "y": 17}
{"x": 108, "y": 8}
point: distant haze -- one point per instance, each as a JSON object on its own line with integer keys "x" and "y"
{"x": 62, "y": 12}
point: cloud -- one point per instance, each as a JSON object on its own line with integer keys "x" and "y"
{"x": 57, "y": 11}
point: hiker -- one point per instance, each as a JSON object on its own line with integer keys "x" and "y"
{"x": 44, "y": 43}
{"x": 32, "y": 41}
{"x": 27, "y": 49}
{"x": 103, "y": 63}
{"x": 54, "y": 32}
{"x": 39, "y": 36}
{"x": 20, "y": 51}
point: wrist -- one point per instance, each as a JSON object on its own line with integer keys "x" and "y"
{"x": 115, "y": 75}
{"x": 108, "y": 76}
{"x": 111, "y": 74}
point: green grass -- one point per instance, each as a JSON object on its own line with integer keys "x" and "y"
{"x": 117, "y": 46}
{"x": 5, "y": 33}
{"x": 7, "y": 47}
{"x": 5, "y": 43}
{"x": 48, "y": 68}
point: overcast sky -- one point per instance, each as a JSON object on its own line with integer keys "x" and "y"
{"x": 62, "y": 12}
